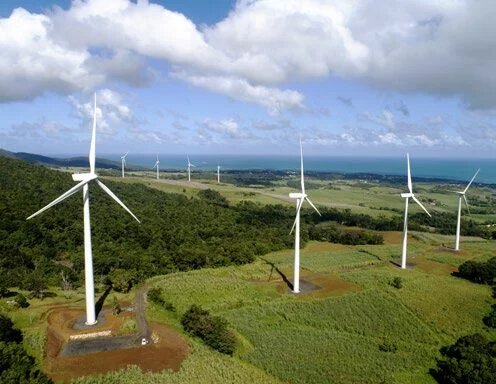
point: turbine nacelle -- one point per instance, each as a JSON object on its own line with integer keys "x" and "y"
{"x": 297, "y": 195}
{"x": 84, "y": 176}
{"x": 405, "y": 195}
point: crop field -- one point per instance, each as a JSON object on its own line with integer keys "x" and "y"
{"x": 336, "y": 336}
{"x": 361, "y": 197}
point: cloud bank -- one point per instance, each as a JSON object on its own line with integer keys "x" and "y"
{"x": 437, "y": 47}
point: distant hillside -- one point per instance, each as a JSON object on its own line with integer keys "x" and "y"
{"x": 176, "y": 233}
{"x": 52, "y": 161}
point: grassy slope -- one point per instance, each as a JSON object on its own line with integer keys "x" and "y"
{"x": 331, "y": 335}
{"x": 328, "y": 337}
{"x": 359, "y": 197}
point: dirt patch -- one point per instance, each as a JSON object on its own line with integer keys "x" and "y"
{"x": 320, "y": 246}
{"x": 62, "y": 320}
{"x": 320, "y": 285}
{"x": 391, "y": 237}
{"x": 167, "y": 351}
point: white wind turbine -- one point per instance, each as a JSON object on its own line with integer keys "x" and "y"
{"x": 123, "y": 162}
{"x": 300, "y": 198}
{"x": 189, "y": 168}
{"x": 407, "y": 196}
{"x": 157, "y": 164}
{"x": 461, "y": 195}
{"x": 218, "y": 174}
{"x": 84, "y": 179}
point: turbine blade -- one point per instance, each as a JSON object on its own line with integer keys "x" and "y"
{"x": 468, "y": 186}
{"x": 466, "y": 203}
{"x": 313, "y": 206}
{"x": 64, "y": 196}
{"x": 421, "y": 206}
{"x": 297, "y": 212}
{"x": 111, "y": 194}
{"x": 93, "y": 138}
{"x": 409, "y": 174}
{"x": 301, "y": 161}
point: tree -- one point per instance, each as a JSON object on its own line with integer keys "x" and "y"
{"x": 122, "y": 280}
{"x": 211, "y": 329}
{"x": 478, "y": 272}
{"x": 36, "y": 283}
{"x": 213, "y": 197}
{"x": 8, "y": 332}
{"x": 471, "y": 360}
{"x": 16, "y": 366}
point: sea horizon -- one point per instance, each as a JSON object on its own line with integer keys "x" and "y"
{"x": 461, "y": 169}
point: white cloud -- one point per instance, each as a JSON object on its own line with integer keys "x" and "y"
{"x": 226, "y": 127}
{"x": 32, "y": 63}
{"x": 111, "y": 112}
{"x": 439, "y": 47}
{"x": 274, "y": 99}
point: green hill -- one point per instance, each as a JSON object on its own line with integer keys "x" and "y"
{"x": 177, "y": 233}
{"x": 52, "y": 161}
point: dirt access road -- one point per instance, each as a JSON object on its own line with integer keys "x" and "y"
{"x": 99, "y": 344}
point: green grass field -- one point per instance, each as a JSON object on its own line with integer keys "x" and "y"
{"x": 332, "y": 334}
{"x": 361, "y": 197}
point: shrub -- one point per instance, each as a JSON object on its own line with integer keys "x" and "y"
{"x": 388, "y": 346}
{"x": 478, "y": 272}
{"x": 155, "y": 295}
{"x": 116, "y": 307}
{"x": 490, "y": 319}
{"x": 21, "y": 300}
{"x": 335, "y": 234}
{"x": 471, "y": 360}
{"x": 396, "y": 282}
{"x": 211, "y": 329}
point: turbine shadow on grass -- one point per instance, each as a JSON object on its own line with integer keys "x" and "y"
{"x": 280, "y": 273}
{"x": 398, "y": 264}
{"x": 101, "y": 300}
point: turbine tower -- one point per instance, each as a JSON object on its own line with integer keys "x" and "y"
{"x": 461, "y": 195}
{"x": 300, "y": 198}
{"x": 84, "y": 179}
{"x": 157, "y": 163}
{"x": 189, "y": 168}
{"x": 123, "y": 162}
{"x": 218, "y": 174}
{"x": 407, "y": 196}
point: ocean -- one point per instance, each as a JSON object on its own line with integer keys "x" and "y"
{"x": 453, "y": 169}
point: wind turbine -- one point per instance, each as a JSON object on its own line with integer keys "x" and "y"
{"x": 157, "y": 163}
{"x": 84, "y": 179}
{"x": 218, "y": 174}
{"x": 407, "y": 196}
{"x": 300, "y": 198}
{"x": 123, "y": 162}
{"x": 461, "y": 195}
{"x": 189, "y": 168}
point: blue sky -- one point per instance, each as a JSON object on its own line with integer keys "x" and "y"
{"x": 249, "y": 76}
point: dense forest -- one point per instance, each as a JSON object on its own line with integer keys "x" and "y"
{"x": 177, "y": 232}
